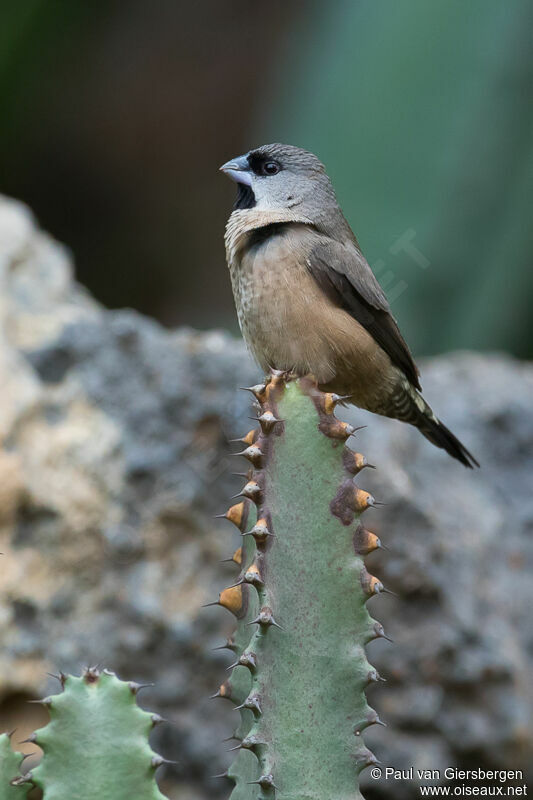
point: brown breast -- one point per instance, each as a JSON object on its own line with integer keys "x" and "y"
{"x": 289, "y": 323}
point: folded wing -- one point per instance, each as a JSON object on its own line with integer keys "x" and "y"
{"x": 346, "y": 278}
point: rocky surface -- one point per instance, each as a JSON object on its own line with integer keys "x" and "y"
{"x": 113, "y": 459}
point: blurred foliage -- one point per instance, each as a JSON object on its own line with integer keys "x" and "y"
{"x": 115, "y": 118}
{"x": 421, "y": 112}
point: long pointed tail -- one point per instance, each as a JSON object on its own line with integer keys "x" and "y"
{"x": 441, "y": 436}
{"x": 410, "y": 406}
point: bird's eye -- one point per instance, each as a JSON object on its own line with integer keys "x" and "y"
{"x": 270, "y": 168}
{"x": 263, "y": 166}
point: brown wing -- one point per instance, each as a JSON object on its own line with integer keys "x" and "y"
{"x": 345, "y": 276}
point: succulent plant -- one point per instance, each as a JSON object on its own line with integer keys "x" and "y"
{"x": 300, "y": 669}
{"x": 96, "y": 743}
{"x": 10, "y": 787}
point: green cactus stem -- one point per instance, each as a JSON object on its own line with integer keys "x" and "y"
{"x": 11, "y": 787}
{"x": 305, "y": 623}
{"x": 244, "y": 604}
{"x": 96, "y": 743}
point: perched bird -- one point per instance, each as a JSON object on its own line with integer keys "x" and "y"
{"x": 306, "y": 298}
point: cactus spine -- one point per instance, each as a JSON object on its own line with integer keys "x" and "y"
{"x": 10, "y": 788}
{"x": 244, "y": 604}
{"x": 96, "y": 743}
{"x": 302, "y": 620}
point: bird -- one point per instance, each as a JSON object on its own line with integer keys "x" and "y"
{"x": 306, "y": 298}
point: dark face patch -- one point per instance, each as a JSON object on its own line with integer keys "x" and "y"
{"x": 264, "y": 165}
{"x": 245, "y": 197}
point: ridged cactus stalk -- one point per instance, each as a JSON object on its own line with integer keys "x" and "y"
{"x": 300, "y": 670}
{"x": 96, "y": 743}
{"x": 10, "y": 788}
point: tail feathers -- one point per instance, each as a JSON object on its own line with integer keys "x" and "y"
{"x": 410, "y": 407}
{"x": 441, "y": 436}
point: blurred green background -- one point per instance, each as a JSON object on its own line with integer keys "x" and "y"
{"x": 116, "y": 116}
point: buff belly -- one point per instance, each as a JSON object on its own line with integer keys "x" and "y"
{"x": 289, "y": 323}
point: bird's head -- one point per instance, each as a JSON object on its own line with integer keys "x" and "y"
{"x": 279, "y": 176}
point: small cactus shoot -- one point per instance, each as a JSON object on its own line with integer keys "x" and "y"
{"x": 10, "y": 763}
{"x": 96, "y": 743}
{"x": 300, "y": 669}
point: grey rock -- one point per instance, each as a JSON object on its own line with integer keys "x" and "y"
{"x": 113, "y": 459}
